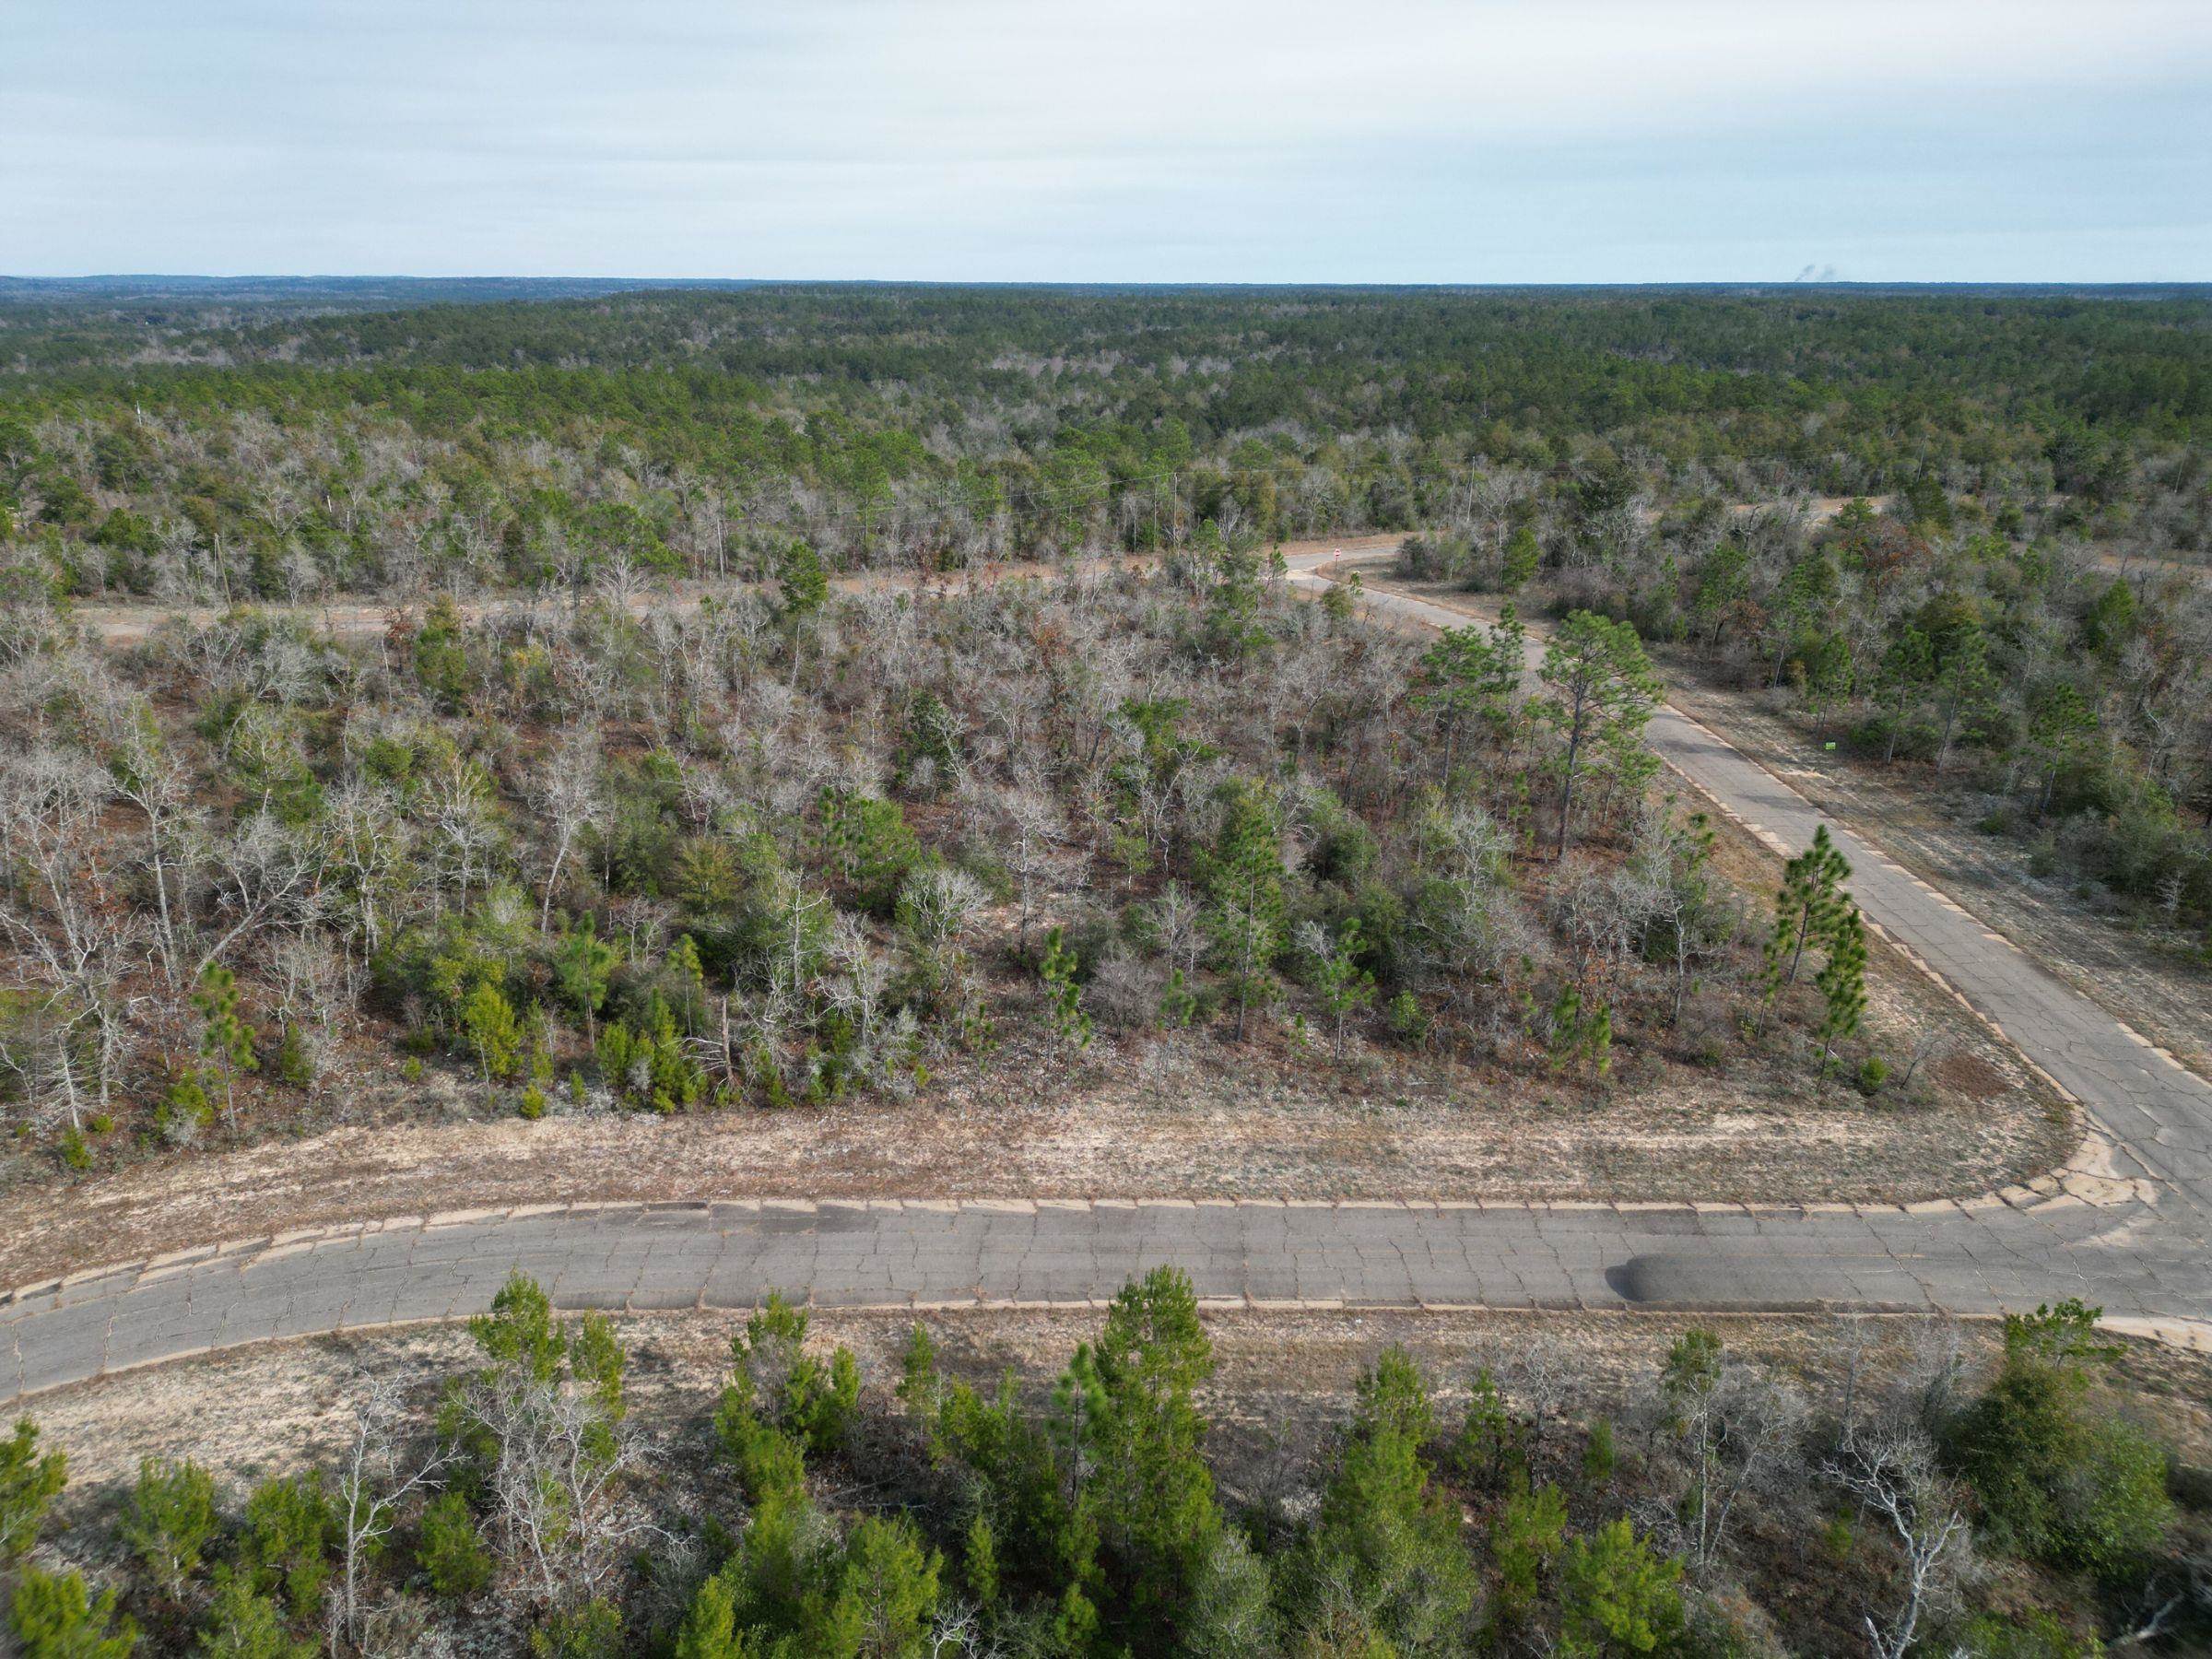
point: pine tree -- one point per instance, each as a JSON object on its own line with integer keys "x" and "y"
{"x": 1523, "y": 554}
{"x": 1062, "y": 995}
{"x": 488, "y": 1020}
{"x": 186, "y": 1105}
{"x": 1467, "y": 674}
{"x": 1385, "y": 1542}
{"x": 1157, "y": 1516}
{"x": 227, "y": 1040}
{"x": 921, "y": 1390}
{"x": 1842, "y": 981}
{"x": 1966, "y": 690}
{"x": 1604, "y": 690}
{"x": 1527, "y": 1536}
{"x": 1178, "y": 1003}
{"x": 801, "y": 584}
{"x": 880, "y": 1598}
{"x": 29, "y": 1482}
{"x": 290, "y": 1527}
{"x": 53, "y": 1615}
{"x": 1244, "y": 879}
{"x": 583, "y": 967}
{"x": 710, "y": 1628}
{"x": 1345, "y": 986}
{"x": 169, "y": 1519}
{"x": 242, "y": 1623}
{"x": 1810, "y": 903}
{"x": 1617, "y": 1595}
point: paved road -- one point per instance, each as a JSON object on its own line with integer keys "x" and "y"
{"x": 1980, "y": 1257}
{"x": 2127, "y": 1227}
{"x": 2154, "y": 1115}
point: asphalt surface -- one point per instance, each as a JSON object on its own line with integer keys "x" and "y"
{"x": 2125, "y": 1227}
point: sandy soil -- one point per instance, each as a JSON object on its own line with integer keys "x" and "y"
{"x": 129, "y": 624}
{"x": 1282, "y": 1378}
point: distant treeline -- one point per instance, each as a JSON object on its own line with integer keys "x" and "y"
{"x": 177, "y": 444}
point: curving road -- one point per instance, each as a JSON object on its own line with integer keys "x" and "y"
{"x": 2125, "y": 1227}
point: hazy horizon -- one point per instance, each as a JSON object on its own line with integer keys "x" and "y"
{"x": 589, "y": 284}
{"x": 1506, "y": 143}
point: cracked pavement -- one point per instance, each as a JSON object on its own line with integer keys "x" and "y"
{"x": 2124, "y": 1225}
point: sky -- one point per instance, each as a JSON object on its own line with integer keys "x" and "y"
{"x": 1111, "y": 140}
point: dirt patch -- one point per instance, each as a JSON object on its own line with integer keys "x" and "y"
{"x": 1970, "y": 1075}
{"x": 363, "y": 619}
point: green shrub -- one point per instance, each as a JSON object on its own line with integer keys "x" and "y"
{"x": 1599, "y": 1456}
{"x": 53, "y": 1616}
{"x": 242, "y": 1623}
{"x": 1838, "y": 1537}
{"x": 2024, "y": 1636}
{"x": 647, "y": 1064}
{"x": 291, "y": 1531}
{"x": 591, "y": 1632}
{"x": 768, "y": 1463}
{"x": 2058, "y": 1477}
{"x": 169, "y": 1520}
{"x": 449, "y": 1551}
{"x": 29, "y": 1482}
{"x": 291, "y": 1063}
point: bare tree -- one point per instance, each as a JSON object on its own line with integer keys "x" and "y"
{"x": 1032, "y": 822}
{"x": 1729, "y": 1429}
{"x": 558, "y": 1485}
{"x": 1175, "y": 922}
{"x": 371, "y": 1488}
{"x": 1891, "y": 1473}
{"x": 63, "y": 915}
{"x": 265, "y": 875}
{"x": 857, "y": 988}
{"x": 367, "y": 838}
{"x": 458, "y": 804}
{"x": 148, "y": 774}
{"x": 569, "y": 797}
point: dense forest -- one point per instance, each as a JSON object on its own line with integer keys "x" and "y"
{"x": 1938, "y": 1501}
{"x": 234, "y": 452}
{"x": 797, "y": 840}
{"x": 789, "y": 845}
{"x": 2027, "y": 603}
{"x": 812, "y": 830}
